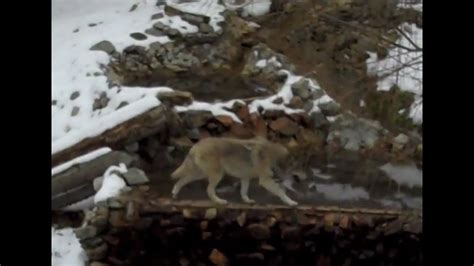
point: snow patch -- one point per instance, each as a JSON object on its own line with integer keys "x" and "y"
{"x": 66, "y": 249}
{"x": 342, "y": 191}
{"x": 112, "y": 184}
{"x": 408, "y": 175}
{"x": 256, "y": 8}
{"x": 261, "y": 63}
{"x": 215, "y": 108}
{"x": 77, "y": 76}
{"x": 210, "y": 8}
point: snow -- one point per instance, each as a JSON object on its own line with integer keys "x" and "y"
{"x": 406, "y": 4}
{"x": 77, "y": 25}
{"x": 317, "y": 172}
{"x": 66, "y": 249}
{"x": 261, "y": 63}
{"x": 285, "y": 93}
{"x": 176, "y": 22}
{"x": 215, "y": 108}
{"x": 256, "y": 8}
{"x": 112, "y": 184}
{"x": 408, "y": 175}
{"x": 341, "y": 191}
{"x": 81, "y": 159}
{"x": 85, "y": 204}
{"x": 274, "y": 61}
{"x": 210, "y": 8}
{"x": 409, "y": 64}
{"x": 105, "y": 122}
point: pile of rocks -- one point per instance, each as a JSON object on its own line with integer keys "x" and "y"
{"x": 109, "y": 213}
{"x": 196, "y": 232}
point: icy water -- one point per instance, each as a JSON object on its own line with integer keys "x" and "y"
{"x": 344, "y": 183}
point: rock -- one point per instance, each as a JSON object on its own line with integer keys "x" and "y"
{"x": 329, "y": 220}
{"x": 285, "y": 126}
{"x": 273, "y": 114}
{"x": 160, "y": 26}
{"x": 218, "y": 258}
{"x": 97, "y": 253}
{"x": 205, "y": 28}
{"x": 89, "y": 231}
{"x": 131, "y": 212}
{"x": 401, "y": 139}
{"x": 176, "y": 97}
{"x": 114, "y": 203}
{"x": 259, "y": 231}
{"x": 134, "y": 6}
{"x": 316, "y": 94}
{"x": 100, "y": 102}
{"x": 133, "y": 147}
{"x": 138, "y": 36}
{"x": 74, "y": 95}
{"x": 117, "y": 218}
{"x": 182, "y": 143}
{"x": 240, "y": 131}
{"x": 91, "y": 242}
{"x": 267, "y": 247}
{"x": 196, "y": 119}
{"x": 75, "y": 111}
{"x": 302, "y": 88}
{"x": 257, "y": 256}
{"x": 296, "y": 103}
{"x": 157, "y": 16}
{"x": 344, "y": 222}
{"x": 241, "y": 219}
{"x": 243, "y": 113}
{"x": 225, "y": 120}
{"x": 261, "y": 127}
{"x": 330, "y": 108}
{"x": 104, "y": 46}
{"x": 194, "y": 19}
{"x": 308, "y": 106}
{"x": 278, "y": 100}
{"x": 97, "y": 263}
{"x": 154, "y": 32}
{"x": 210, "y": 213}
{"x": 97, "y": 183}
{"x": 354, "y": 133}
{"x": 173, "y": 32}
{"x": 135, "y": 176}
{"x": 318, "y": 120}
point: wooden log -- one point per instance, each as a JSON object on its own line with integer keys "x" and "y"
{"x": 66, "y": 186}
{"x": 74, "y": 195}
{"x": 139, "y": 127}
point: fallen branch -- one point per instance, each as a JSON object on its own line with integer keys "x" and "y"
{"x": 139, "y": 127}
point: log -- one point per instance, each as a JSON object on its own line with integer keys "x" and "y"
{"x": 74, "y": 195}
{"x": 139, "y": 127}
{"x": 67, "y": 187}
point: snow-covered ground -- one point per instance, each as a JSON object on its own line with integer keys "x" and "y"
{"x": 77, "y": 77}
{"x": 66, "y": 249}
